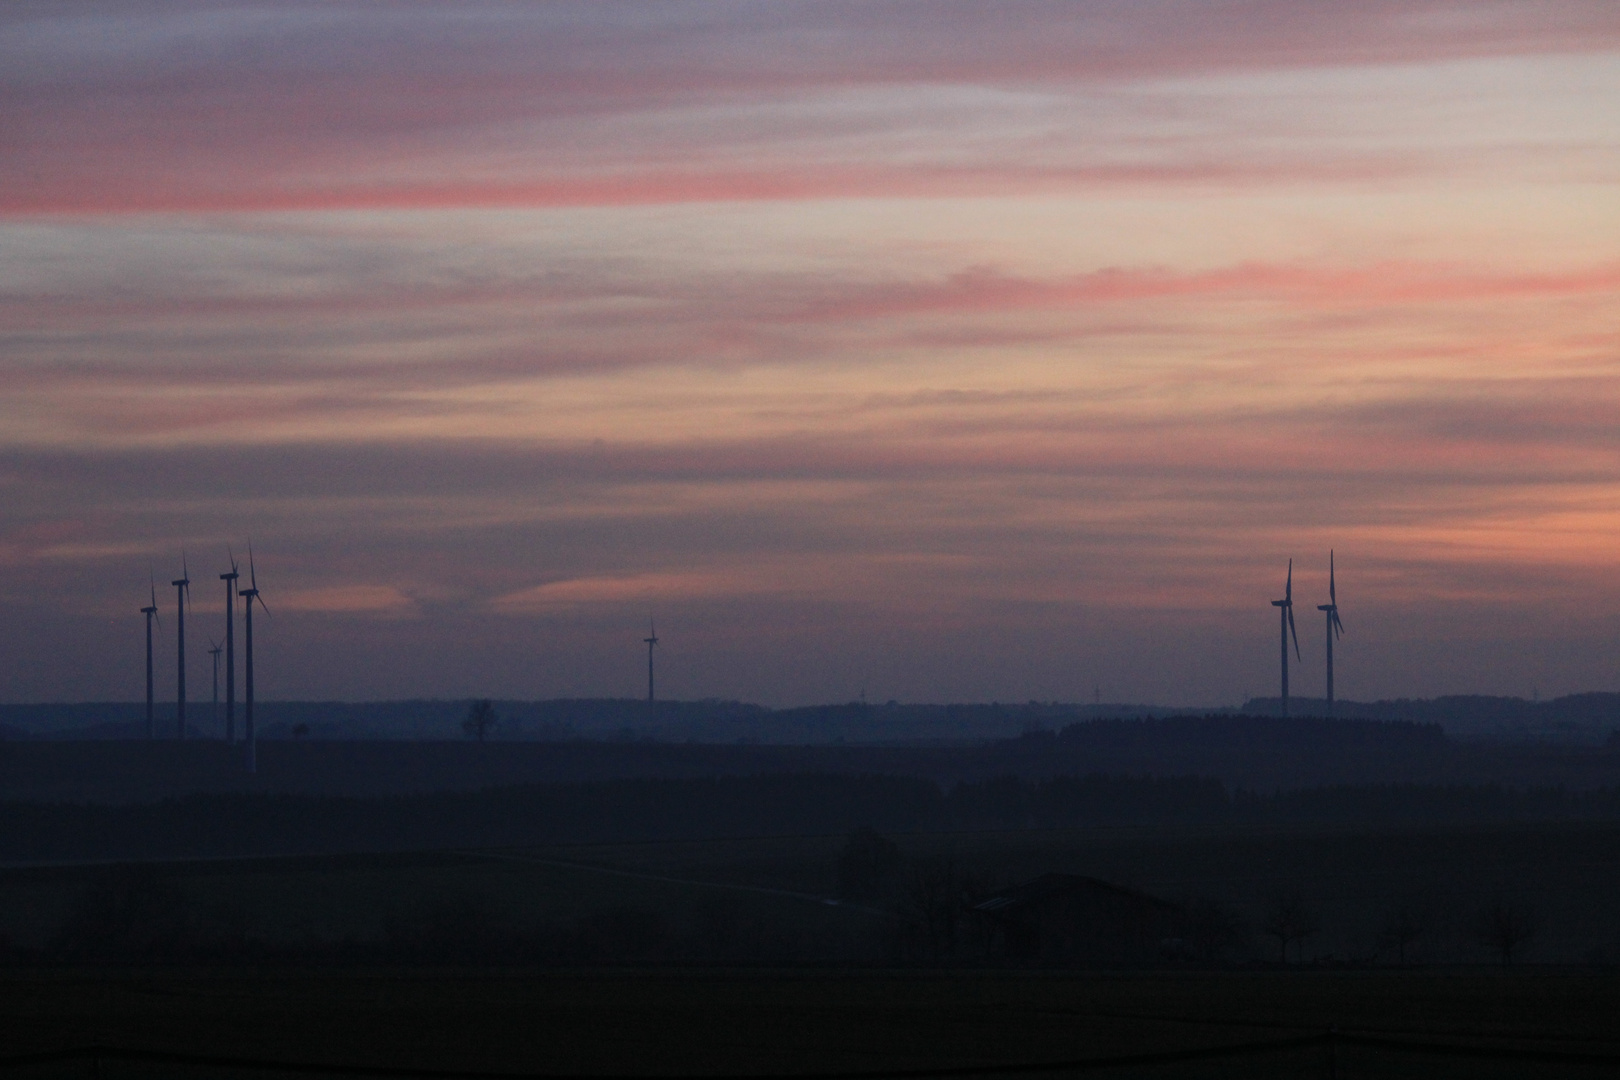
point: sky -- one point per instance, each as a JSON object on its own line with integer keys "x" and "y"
{"x": 936, "y": 351}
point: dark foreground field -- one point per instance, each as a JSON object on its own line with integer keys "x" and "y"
{"x": 674, "y": 1023}
{"x": 433, "y": 911}
{"x": 779, "y": 901}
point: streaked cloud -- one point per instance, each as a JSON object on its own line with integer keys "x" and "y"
{"x": 347, "y": 599}
{"x": 947, "y": 349}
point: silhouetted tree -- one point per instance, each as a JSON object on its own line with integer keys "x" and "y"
{"x": 1290, "y": 920}
{"x": 867, "y": 867}
{"x": 481, "y": 719}
{"x": 936, "y": 901}
{"x": 1209, "y": 930}
{"x": 1403, "y": 928}
{"x": 1504, "y": 927}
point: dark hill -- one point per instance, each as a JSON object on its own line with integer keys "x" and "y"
{"x": 1257, "y": 753}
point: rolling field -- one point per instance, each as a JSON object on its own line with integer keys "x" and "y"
{"x": 1255, "y": 753}
{"x": 668, "y": 1023}
{"x": 761, "y": 901}
{"x": 724, "y": 957}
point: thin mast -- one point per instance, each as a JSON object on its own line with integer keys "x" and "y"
{"x": 651, "y": 641}
{"x": 182, "y": 588}
{"x": 247, "y": 671}
{"x": 230, "y": 651}
{"x": 150, "y": 611}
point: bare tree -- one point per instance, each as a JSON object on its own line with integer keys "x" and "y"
{"x": 1209, "y": 930}
{"x": 481, "y": 719}
{"x": 1403, "y": 928}
{"x": 1290, "y": 920}
{"x": 1505, "y": 927}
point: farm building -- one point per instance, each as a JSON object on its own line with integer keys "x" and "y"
{"x": 1082, "y": 921}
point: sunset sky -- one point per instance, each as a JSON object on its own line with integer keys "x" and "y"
{"x": 940, "y": 350}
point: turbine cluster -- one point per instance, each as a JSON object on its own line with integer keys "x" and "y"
{"x": 1335, "y": 628}
{"x": 249, "y": 596}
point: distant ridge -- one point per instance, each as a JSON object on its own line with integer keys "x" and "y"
{"x": 1590, "y": 717}
{"x": 1578, "y": 719}
{"x": 596, "y": 718}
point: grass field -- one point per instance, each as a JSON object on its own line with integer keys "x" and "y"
{"x": 673, "y": 1023}
{"x": 1568, "y": 876}
{"x": 1301, "y": 753}
{"x": 757, "y": 901}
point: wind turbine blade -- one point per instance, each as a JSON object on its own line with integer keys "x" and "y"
{"x": 1332, "y": 596}
{"x": 230, "y": 554}
{"x": 1337, "y": 625}
{"x": 253, "y": 579}
{"x": 1288, "y": 593}
{"x": 1291, "y": 630}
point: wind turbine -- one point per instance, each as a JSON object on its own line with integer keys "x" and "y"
{"x": 1285, "y": 613}
{"x": 1334, "y": 629}
{"x": 213, "y": 716}
{"x": 150, "y": 611}
{"x": 651, "y": 641}
{"x": 182, "y": 594}
{"x": 230, "y": 647}
{"x": 250, "y": 594}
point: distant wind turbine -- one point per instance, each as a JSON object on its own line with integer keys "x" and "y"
{"x": 182, "y": 596}
{"x": 1285, "y": 612}
{"x": 150, "y": 611}
{"x": 651, "y": 641}
{"x": 250, "y": 594}
{"x": 213, "y": 714}
{"x": 230, "y": 647}
{"x": 1334, "y": 629}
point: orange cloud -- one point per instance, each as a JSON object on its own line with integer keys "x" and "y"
{"x": 348, "y": 599}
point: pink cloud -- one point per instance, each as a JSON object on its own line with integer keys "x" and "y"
{"x": 1393, "y": 283}
{"x": 208, "y": 109}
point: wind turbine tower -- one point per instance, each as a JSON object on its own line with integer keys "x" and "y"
{"x": 213, "y": 713}
{"x": 150, "y": 611}
{"x": 1334, "y": 629}
{"x": 182, "y": 593}
{"x": 651, "y": 641}
{"x": 230, "y": 648}
{"x": 1285, "y": 612}
{"x": 250, "y": 594}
